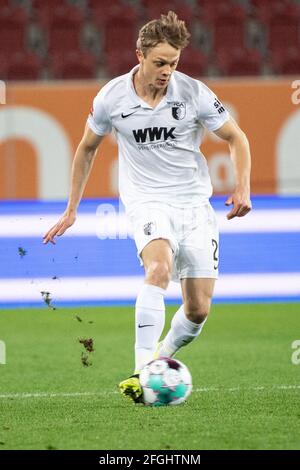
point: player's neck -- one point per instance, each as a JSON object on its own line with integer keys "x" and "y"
{"x": 148, "y": 92}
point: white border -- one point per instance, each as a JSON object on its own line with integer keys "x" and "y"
{"x": 126, "y": 288}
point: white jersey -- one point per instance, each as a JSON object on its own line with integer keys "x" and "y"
{"x": 159, "y": 157}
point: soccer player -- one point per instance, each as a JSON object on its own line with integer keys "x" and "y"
{"x": 159, "y": 115}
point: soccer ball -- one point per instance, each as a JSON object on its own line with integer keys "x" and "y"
{"x": 165, "y": 381}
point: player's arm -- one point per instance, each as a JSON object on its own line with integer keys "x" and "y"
{"x": 241, "y": 158}
{"x": 82, "y": 165}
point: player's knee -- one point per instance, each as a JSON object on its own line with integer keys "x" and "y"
{"x": 158, "y": 273}
{"x": 197, "y": 309}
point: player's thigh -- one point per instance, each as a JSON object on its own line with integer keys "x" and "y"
{"x": 197, "y": 294}
{"x": 157, "y": 251}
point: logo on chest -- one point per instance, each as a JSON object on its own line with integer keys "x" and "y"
{"x": 178, "y": 110}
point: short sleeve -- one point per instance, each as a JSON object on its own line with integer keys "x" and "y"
{"x": 98, "y": 120}
{"x": 212, "y": 113}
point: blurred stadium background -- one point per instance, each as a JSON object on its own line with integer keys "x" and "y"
{"x": 54, "y": 57}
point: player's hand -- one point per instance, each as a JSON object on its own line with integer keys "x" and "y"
{"x": 241, "y": 202}
{"x": 66, "y": 221}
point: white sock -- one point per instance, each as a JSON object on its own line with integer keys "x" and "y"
{"x": 182, "y": 332}
{"x": 149, "y": 323}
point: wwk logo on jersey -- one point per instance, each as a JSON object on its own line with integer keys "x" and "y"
{"x": 178, "y": 110}
{"x": 153, "y": 134}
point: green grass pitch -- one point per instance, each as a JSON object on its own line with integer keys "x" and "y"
{"x": 246, "y": 389}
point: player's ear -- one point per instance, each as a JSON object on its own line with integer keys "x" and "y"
{"x": 139, "y": 55}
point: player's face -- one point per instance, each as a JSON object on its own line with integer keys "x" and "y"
{"x": 158, "y": 65}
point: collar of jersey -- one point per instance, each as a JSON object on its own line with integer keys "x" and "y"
{"x": 171, "y": 96}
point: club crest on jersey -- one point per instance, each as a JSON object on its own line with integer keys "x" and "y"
{"x": 178, "y": 110}
{"x": 149, "y": 228}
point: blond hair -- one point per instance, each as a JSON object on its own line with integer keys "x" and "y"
{"x": 166, "y": 29}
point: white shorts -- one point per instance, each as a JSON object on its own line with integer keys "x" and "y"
{"x": 192, "y": 233}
